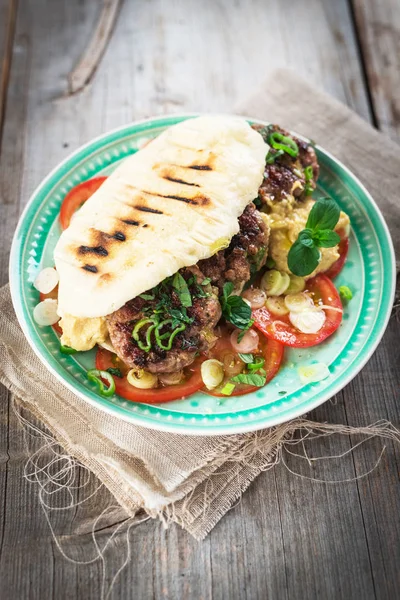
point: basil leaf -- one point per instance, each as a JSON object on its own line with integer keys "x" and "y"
{"x": 250, "y": 379}
{"x": 302, "y": 260}
{"x": 326, "y": 238}
{"x": 324, "y": 215}
{"x": 246, "y": 358}
{"x": 182, "y": 290}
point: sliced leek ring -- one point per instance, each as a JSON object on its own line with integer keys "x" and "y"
{"x": 275, "y": 283}
{"x": 277, "y": 306}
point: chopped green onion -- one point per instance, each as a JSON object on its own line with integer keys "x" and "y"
{"x": 345, "y": 292}
{"x": 160, "y": 337}
{"x": 135, "y": 333}
{"x": 282, "y": 142}
{"x": 228, "y": 389}
{"x": 257, "y": 364}
{"x": 97, "y": 376}
{"x": 67, "y": 349}
{"x": 270, "y": 263}
{"x": 272, "y": 156}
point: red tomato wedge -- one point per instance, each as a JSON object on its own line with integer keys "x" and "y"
{"x": 272, "y": 352}
{"x": 337, "y": 266}
{"x": 280, "y": 329}
{"x": 104, "y": 360}
{"x": 76, "y": 197}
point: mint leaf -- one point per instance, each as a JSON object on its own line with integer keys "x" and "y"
{"x": 303, "y": 259}
{"x": 239, "y": 312}
{"x": 246, "y": 358}
{"x": 206, "y": 281}
{"x": 250, "y": 379}
{"x": 326, "y": 238}
{"x": 324, "y": 215}
{"x": 181, "y": 287}
{"x": 115, "y": 372}
{"x": 146, "y": 296}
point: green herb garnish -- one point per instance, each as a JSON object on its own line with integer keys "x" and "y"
{"x": 206, "y": 281}
{"x": 181, "y": 287}
{"x": 304, "y": 255}
{"x": 114, "y": 372}
{"x": 228, "y": 389}
{"x": 235, "y": 309}
{"x": 67, "y": 350}
{"x": 97, "y": 376}
{"x": 250, "y": 379}
{"x": 146, "y": 296}
{"x": 270, "y": 263}
{"x": 283, "y": 143}
{"x": 246, "y": 358}
{"x": 345, "y": 292}
{"x": 308, "y": 174}
{"x": 257, "y": 364}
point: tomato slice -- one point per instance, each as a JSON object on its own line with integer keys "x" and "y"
{"x": 337, "y": 266}
{"x": 280, "y": 329}
{"x": 271, "y": 350}
{"x": 104, "y": 360}
{"x": 76, "y": 197}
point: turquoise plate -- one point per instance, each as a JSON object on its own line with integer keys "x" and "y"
{"x": 369, "y": 271}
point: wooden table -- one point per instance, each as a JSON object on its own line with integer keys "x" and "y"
{"x": 289, "y": 537}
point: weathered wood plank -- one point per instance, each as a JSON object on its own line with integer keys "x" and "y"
{"x": 8, "y": 11}
{"x": 378, "y": 25}
{"x": 288, "y": 538}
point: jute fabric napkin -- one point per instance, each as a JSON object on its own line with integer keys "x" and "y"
{"x": 187, "y": 479}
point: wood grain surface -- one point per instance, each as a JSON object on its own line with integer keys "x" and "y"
{"x": 289, "y": 537}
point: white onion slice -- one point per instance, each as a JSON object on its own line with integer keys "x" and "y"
{"x": 308, "y": 321}
{"x": 46, "y": 280}
{"x": 248, "y": 343}
{"x": 313, "y": 373}
{"x": 212, "y": 373}
{"x": 298, "y": 302}
{"x": 45, "y": 313}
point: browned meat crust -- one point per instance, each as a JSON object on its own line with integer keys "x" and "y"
{"x": 245, "y": 255}
{"x": 285, "y": 178}
{"x": 198, "y": 336}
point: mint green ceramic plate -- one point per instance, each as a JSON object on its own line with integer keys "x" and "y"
{"x": 369, "y": 271}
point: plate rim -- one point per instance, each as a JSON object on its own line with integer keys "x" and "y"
{"x": 185, "y": 428}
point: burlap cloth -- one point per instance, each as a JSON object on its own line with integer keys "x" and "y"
{"x": 195, "y": 480}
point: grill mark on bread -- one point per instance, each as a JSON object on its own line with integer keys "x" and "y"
{"x": 155, "y": 211}
{"x": 90, "y": 268}
{"x": 119, "y": 236}
{"x": 97, "y": 250}
{"x": 200, "y": 167}
{"x": 130, "y": 222}
{"x": 175, "y": 180}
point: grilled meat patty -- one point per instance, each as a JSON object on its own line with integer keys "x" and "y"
{"x": 245, "y": 255}
{"x": 199, "y": 321}
{"x": 284, "y": 179}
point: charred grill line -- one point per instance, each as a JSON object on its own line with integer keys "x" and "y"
{"x": 97, "y": 250}
{"x": 181, "y": 199}
{"x": 130, "y": 222}
{"x": 118, "y": 235}
{"x": 200, "y": 167}
{"x": 180, "y": 181}
{"x": 149, "y": 210}
{"x": 90, "y": 268}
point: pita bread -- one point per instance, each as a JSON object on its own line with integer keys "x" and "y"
{"x": 171, "y": 204}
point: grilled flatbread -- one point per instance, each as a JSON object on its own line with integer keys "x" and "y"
{"x": 173, "y": 203}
